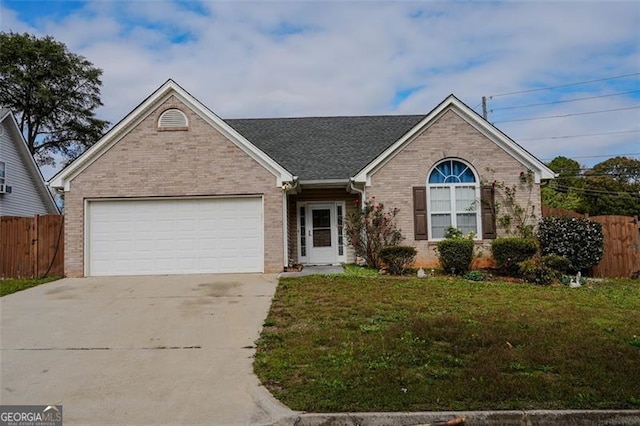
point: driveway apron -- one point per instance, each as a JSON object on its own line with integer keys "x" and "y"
{"x": 139, "y": 350}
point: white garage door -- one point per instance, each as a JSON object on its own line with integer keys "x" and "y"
{"x": 175, "y": 236}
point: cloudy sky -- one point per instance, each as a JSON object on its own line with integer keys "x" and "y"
{"x": 561, "y": 78}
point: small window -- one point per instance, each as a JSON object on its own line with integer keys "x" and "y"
{"x": 3, "y": 169}
{"x": 173, "y": 119}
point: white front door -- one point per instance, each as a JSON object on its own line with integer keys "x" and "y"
{"x": 321, "y": 234}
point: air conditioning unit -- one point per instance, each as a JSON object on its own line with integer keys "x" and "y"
{"x": 5, "y": 189}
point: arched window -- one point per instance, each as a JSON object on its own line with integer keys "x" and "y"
{"x": 453, "y": 196}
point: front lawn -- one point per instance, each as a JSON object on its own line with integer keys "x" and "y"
{"x": 341, "y": 343}
{"x": 11, "y": 285}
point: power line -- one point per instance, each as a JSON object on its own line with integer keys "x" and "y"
{"x": 565, "y": 101}
{"x": 582, "y": 136}
{"x": 609, "y": 155}
{"x": 597, "y": 156}
{"x": 582, "y": 173}
{"x": 567, "y": 115}
{"x": 564, "y": 85}
{"x": 563, "y": 188}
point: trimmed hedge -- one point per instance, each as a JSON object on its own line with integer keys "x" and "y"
{"x": 398, "y": 258}
{"x": 578, "y": 239}
{"x": 509, "y": 252}
{"x": 456, "y": 255}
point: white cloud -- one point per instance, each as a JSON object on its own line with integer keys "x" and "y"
{"x": 247, "y": 59}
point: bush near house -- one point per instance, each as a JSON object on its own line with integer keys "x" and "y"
{"x": 544, "y": 270}
{"x": 398, "y": 258}
{"x": 536, "y": 271}
{"x": 579, "y": 240}
{"x": 509, "y": 252}
{"x": 370, "y": 229}
{"x": 456, "y": 252}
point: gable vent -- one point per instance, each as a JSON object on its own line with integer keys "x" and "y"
{"x": 172, "y": 118}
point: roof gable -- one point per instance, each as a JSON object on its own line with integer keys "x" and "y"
{"x": 451, "y": 103}
{"x": 27, "y": 162}
{"x": 147, "y": 107}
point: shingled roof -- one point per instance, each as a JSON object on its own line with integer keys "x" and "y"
{"x": 322, "y": 148}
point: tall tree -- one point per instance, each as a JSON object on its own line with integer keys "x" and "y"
{"x": 613, "y": 187}
{"x": 565, "y": 190}
{"x": 54, "y": 94}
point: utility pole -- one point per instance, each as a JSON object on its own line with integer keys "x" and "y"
{"x": 484, "y": 107}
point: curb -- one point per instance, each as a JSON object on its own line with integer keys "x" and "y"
{"x": 272, "y": 412}
{"x": 513, "y": 417}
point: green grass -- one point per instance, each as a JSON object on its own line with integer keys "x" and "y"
{"x": 12, "y": 285}
{"x": 344, "y": 343}
{"x": 353, "y": 270}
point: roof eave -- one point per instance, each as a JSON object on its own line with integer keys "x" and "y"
{"x": 62, "y": 179}
{"x": 541, "y": 171}
{"x": 324, "y": 182}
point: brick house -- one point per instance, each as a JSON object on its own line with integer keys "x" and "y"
{"x": 173, "y": 188}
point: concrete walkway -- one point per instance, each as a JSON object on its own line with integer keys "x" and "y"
{"x": 140, "y": 350}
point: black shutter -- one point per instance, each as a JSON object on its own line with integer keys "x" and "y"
{"x": 420, "y": 213}
{"x": 488, "y": 205}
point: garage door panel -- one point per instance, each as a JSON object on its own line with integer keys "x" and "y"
{"x": 133, "y": 237}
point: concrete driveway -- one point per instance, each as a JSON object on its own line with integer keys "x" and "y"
{"x": 139, "y": 350}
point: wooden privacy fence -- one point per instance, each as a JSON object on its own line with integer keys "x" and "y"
{"x": 621, "y": 243}
{"x": 31, "y": 247}
{"x": 621, "y": 247}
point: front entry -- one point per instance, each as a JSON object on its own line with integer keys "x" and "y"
{"x": 320, "y": 233}
{"x": 322, "y": 244}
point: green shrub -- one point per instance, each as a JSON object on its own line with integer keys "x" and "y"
{"x": 456, "y": 252}
{"x": 559, "y": 264}
{"x": 509, "y": 252}
{"x": 475, "y": 276}
{"x": 535, "y": 271}
{"x": 398, "y": 258}
{"x": 578, "y": 239}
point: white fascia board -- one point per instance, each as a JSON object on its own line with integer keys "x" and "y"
{"x": 6, "y": 113}
{"x": 540, "y": 170}
{"x": 324, "y": 182}
{"x": 62, "y": 179}
{"x": 31, "y": 165}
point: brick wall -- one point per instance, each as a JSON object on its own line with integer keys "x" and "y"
{"x": 197, "y": 162}
{"x": 448, "y": 137}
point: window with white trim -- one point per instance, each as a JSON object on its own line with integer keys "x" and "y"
{"x": 451, "y": 199}
{"x": 3, "y": 170}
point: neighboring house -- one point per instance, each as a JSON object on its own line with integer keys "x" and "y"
{"x": 22, "y": 188}
{"x": 173, "y": 188}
